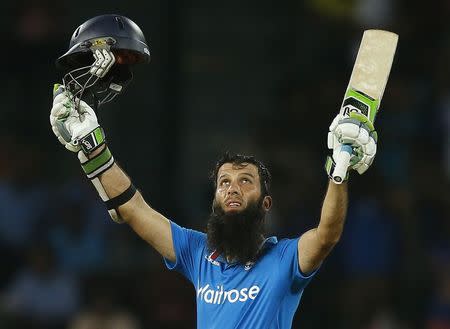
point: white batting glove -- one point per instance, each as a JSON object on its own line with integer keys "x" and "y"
{"x": 76, "y": 128}
{"x": 358, "y": 132}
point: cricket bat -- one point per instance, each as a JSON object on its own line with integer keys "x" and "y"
{"x": 366, "y": 86}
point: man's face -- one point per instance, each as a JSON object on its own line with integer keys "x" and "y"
{"x": 237, "y": 187}
{"x": 236, "y": 224}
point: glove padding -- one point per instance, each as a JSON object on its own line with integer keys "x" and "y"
{"x": 357, "y": 131}
{"x": 71, "y": 124}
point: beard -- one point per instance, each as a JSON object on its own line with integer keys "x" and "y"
{"x": 237, "y": 235}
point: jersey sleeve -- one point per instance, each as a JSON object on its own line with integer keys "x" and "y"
{"x": 189, "y": 245}
{"x": 289, "y": 261}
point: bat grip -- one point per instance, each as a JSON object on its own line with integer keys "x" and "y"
{"x": 342, "y": 163}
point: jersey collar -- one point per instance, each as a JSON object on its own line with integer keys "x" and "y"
{"x": 217, "y": 257}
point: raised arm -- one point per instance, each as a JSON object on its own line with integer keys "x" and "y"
{"x": 145, "y": 221}
{"x": 354, "y": 130}
{"x": 315, "y": 244}
{"x": 79, "y": 131}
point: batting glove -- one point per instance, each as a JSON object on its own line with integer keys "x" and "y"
{"x": 358, "y": 132}
{"x": 76, "y": 127}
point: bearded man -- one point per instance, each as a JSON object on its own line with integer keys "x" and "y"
{"x": 243, "y": 279}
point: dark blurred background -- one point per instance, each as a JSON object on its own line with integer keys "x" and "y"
{"x": 260, "y": 77}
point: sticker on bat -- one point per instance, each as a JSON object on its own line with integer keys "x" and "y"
{"x": 356, "y": 101}
{"x": 353, "y": 105}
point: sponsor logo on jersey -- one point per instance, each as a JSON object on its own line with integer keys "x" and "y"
{"x": 219, "y": 295}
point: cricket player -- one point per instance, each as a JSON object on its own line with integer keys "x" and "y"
{"x": 242, "y": 278}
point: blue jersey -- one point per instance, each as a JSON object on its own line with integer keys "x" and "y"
{"x": 261, "y": 295}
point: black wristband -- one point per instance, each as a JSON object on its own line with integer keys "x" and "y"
{"x": 119, "y": 200}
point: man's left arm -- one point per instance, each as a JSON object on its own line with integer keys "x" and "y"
{"x": 315, "y": 244}
{"x": 354, "y": 130}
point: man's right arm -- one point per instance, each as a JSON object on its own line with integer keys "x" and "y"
{"x": 78, "y": 130}
{"x": 145, "y": 221}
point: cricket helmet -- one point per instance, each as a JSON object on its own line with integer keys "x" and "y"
{"x": 119, "y": 35}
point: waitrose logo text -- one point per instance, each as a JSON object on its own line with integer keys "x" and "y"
{"x": 220, "y": 296}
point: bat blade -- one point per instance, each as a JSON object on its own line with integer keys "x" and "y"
{"x": 367, "y": 84}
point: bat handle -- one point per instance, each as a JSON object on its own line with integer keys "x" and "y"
{"x": 342, "y": 163}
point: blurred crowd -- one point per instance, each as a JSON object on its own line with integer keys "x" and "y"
{"x": 262, "y": 78}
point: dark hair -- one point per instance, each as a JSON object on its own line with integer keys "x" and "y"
{"x": 240, "y": 159}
